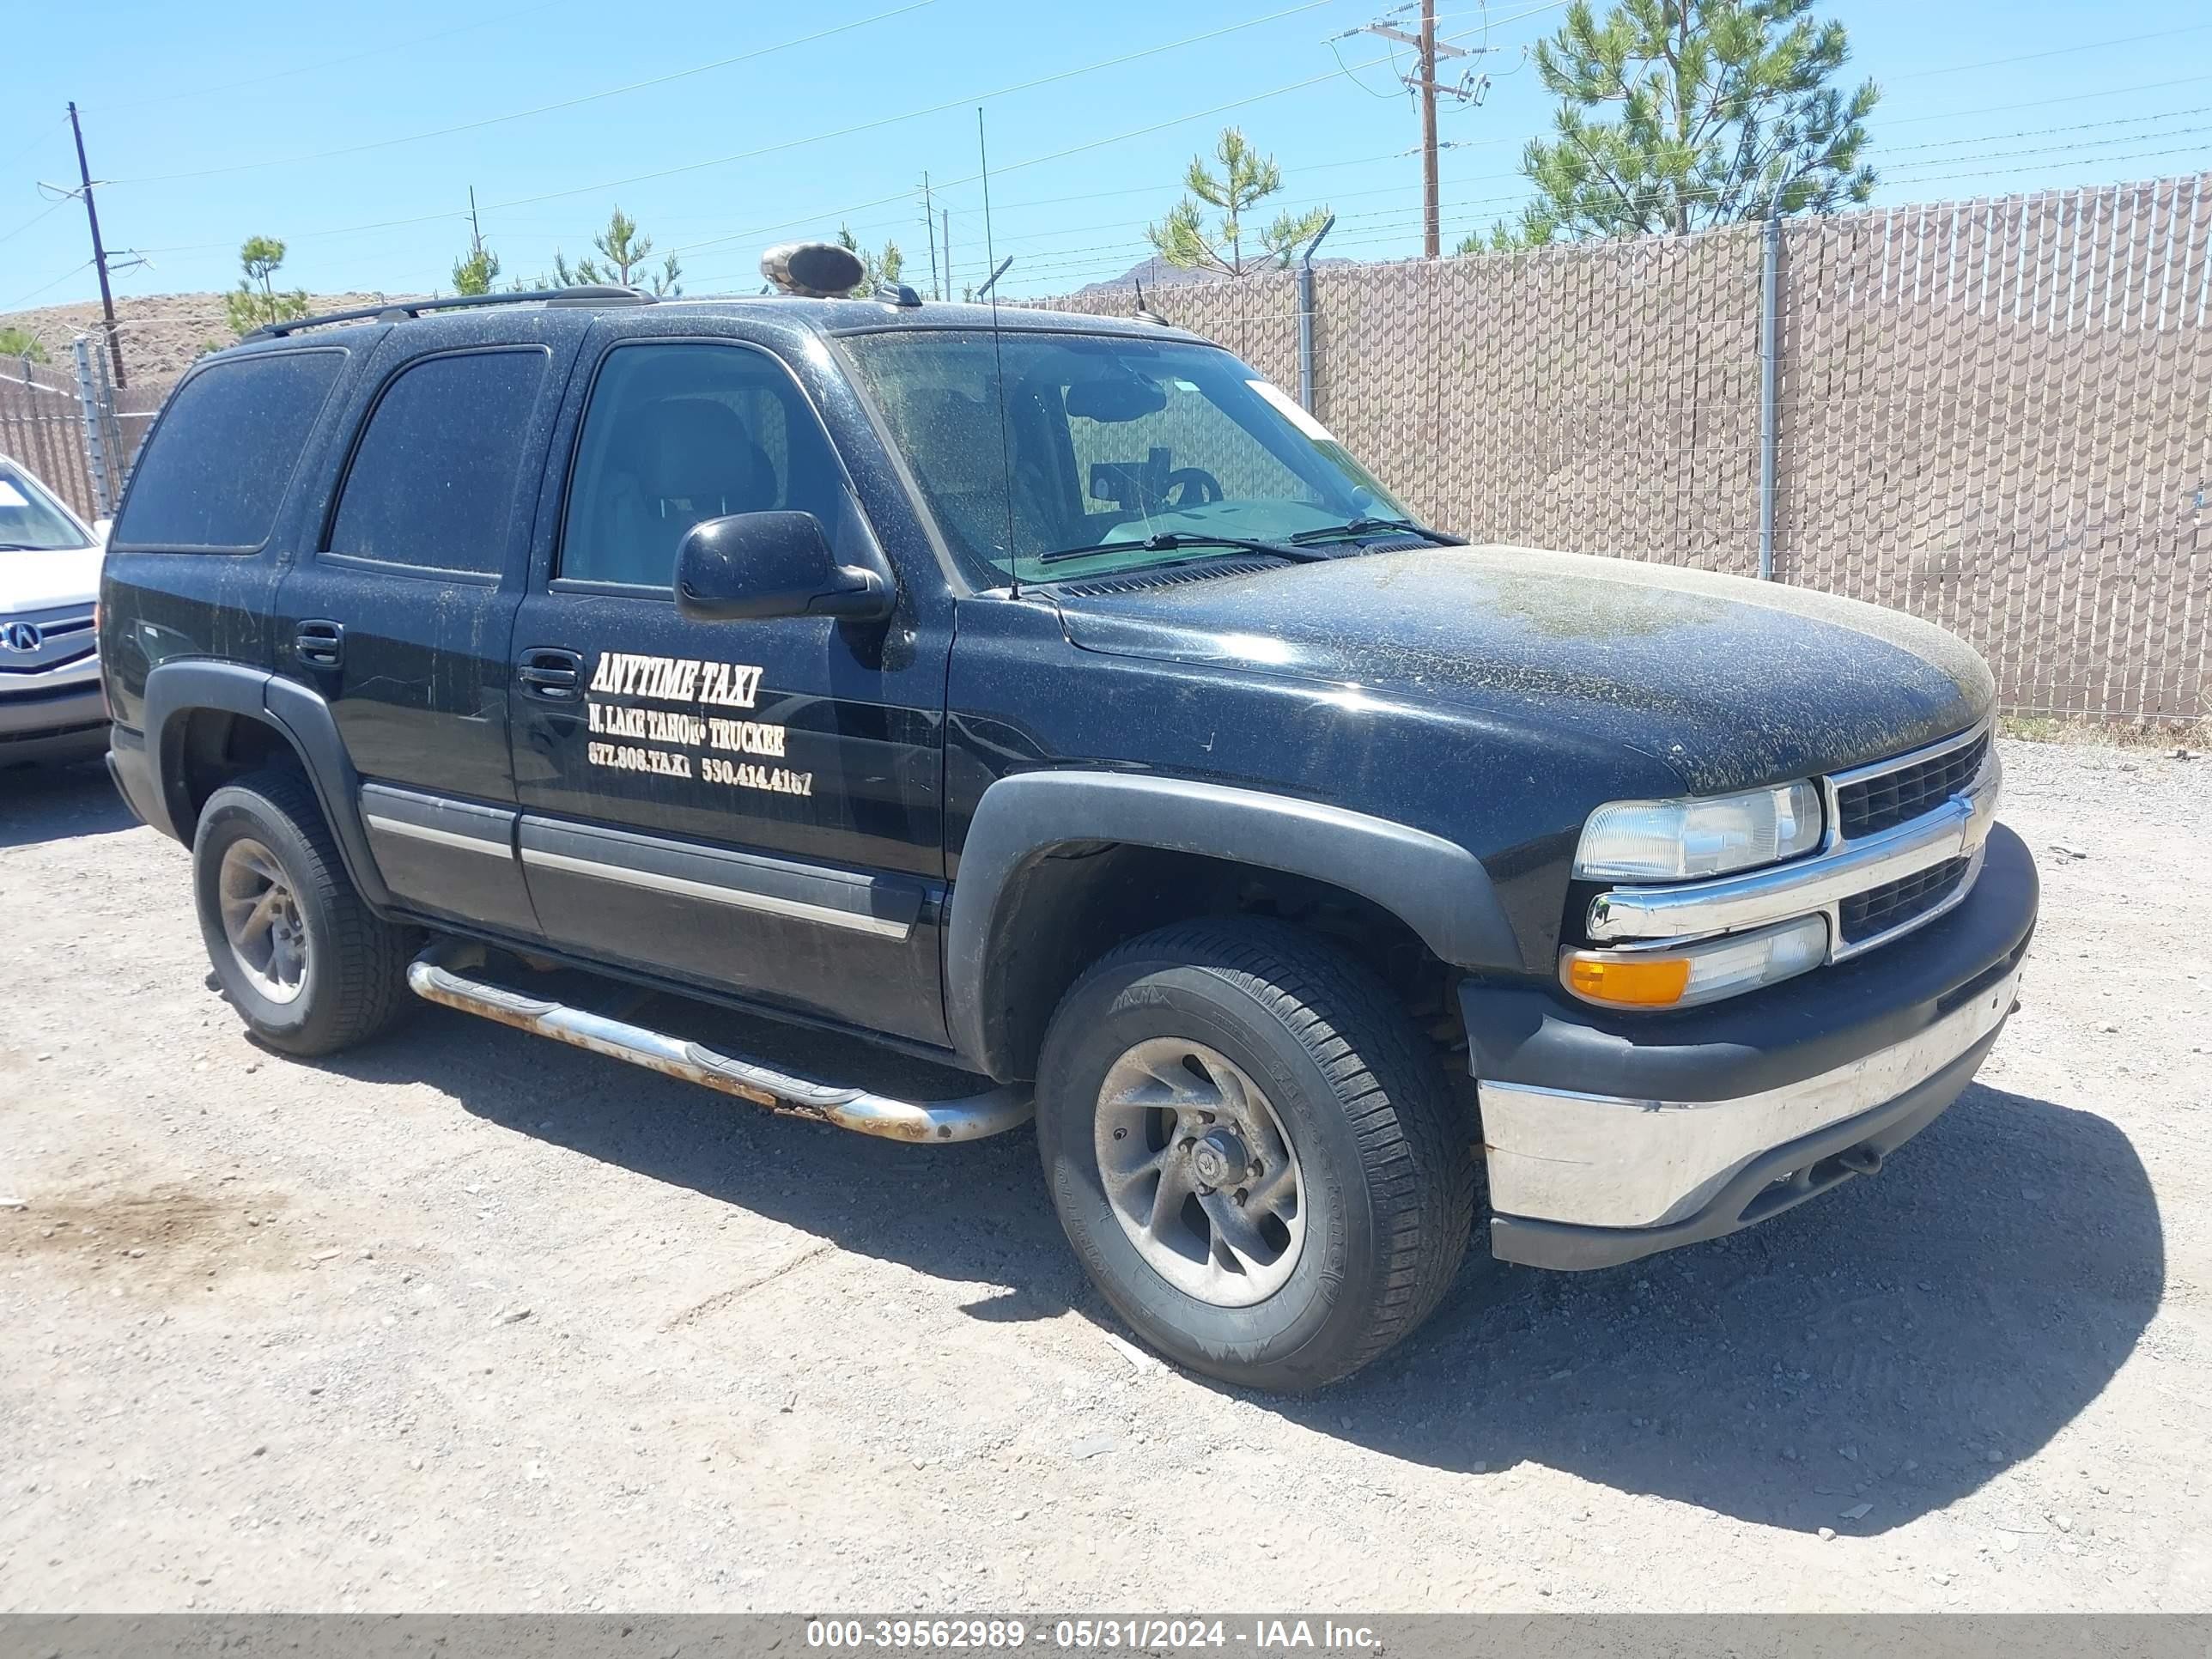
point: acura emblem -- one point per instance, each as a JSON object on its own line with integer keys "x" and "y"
{"x": 22, "y": 636}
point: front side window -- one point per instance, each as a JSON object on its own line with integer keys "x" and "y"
{"x": 1108, "y": 442}
{"x": 433, "y": 480}
{"x": 679, "y": 433}
{"x": 32, "y": 521}
{"x": 215, "y": 467}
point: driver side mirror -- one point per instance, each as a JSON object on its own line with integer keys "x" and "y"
{"x": 752, "y": 566}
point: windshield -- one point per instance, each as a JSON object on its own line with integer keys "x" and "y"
{"x": 31, "y": 521}
{"x": 1109, "y": 442}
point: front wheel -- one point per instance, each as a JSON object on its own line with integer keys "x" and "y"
{"x": 1254, "y": 1154}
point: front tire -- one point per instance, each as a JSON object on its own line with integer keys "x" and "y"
{"x": 1256, "y": 1157}
{"x": 297, "y": 950}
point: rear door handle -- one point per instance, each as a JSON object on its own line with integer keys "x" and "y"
{"x": 320, "y": 644}
{"x": 556, "y": 675}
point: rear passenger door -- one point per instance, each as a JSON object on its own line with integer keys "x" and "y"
{"x": 753, "y": 805}
{"x": 400, "y": 613}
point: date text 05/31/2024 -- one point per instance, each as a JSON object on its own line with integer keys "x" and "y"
{"x": 1111, "y": 1635}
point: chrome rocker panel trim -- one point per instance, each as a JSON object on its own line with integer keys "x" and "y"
{"x": 1726, "y": 904}
{"x": 1607, "y": 1161}
{"x": 449, "y": 972}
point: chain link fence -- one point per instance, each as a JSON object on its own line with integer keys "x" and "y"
{"x": 1997, "y": 415}
{"x": 67, "y": 423}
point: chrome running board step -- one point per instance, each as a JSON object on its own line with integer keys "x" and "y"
{"x": 442, "y": 973}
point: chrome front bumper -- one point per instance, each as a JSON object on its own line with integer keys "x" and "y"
{"x": 1610, "y": 1135}
{"x": 1592, "y": 1160}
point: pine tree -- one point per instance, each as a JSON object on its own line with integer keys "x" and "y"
{"x": 876, "y": 269}
{"x": 624, "y": 253}
{"x": 1726, "y": 113}
{"x": 1247, "y": 178}
{"x": 256, "y": 302}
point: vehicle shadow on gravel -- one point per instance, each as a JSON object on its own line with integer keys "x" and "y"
{"x": 1895, "y": 1343}
{"x": 974, "y": 1213}
{"x": 57, "y": 803}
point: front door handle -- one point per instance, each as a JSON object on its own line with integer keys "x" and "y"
{"x": 320, "y": 644}
{"x": 555, "y": 675}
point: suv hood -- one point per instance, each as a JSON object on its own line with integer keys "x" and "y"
{"x": 1732, "y": 682}
{"x": 48, "y": 580}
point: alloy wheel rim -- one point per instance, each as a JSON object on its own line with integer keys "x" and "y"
{"x": 1200, "y": 1172}
{"x": 262, "y": 921}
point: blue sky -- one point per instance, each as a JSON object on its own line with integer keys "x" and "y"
{"x": 210, "y": 135}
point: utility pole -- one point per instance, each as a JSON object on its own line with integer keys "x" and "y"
{"x": 1428, "y": 52}
{"x": 946, "y": 220}
{"x": 929, "y": 235}
{"x": 99, "y": 253}
{"x": 476, "y": 236}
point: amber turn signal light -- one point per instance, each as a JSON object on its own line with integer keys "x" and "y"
{"x": 1641, "y": 982}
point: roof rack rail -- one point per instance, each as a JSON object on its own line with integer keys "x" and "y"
{"x": 394, "y": 310}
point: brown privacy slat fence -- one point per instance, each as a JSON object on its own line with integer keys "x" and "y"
{"x": 1997, "y": 415}
{"x": 43, "y": 425}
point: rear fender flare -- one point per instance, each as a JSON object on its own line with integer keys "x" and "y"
{"x": 1435, "y": 886}
{"x": 175, "y": 690}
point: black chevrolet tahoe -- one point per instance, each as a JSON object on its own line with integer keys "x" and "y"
{"x": 1054, "y": 700}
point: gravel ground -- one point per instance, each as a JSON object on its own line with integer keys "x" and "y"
{"x": 469, "y": 1321}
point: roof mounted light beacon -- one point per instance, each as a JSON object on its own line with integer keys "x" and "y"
{"x": 813, "y": 270}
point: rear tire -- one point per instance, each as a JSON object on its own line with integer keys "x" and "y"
{"x": 297, "y": 950}
{"x": 1212, "y": 1054}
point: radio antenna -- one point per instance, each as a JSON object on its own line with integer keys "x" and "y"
{"x": 999, "y": 362}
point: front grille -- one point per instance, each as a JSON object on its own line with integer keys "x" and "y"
{"x": 1892, "y": 904}
{"x": 1874, "y": 804}
{"x": 66, "y": 638}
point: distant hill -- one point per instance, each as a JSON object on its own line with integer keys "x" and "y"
{"x": 161, "y": 334}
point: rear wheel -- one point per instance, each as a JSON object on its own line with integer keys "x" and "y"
{"x": 1256, "y": 1157}
{"x": 299, "y": 953}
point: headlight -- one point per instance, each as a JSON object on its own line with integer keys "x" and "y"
{"x": 1676, "y": 840}
{"x": 1682, "y": 975}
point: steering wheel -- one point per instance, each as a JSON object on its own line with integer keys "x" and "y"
{"x": 1189, "y": 486}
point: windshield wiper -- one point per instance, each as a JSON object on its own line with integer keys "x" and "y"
{"x": 1377, "y": 527}
{"x": 1169, "y": 541}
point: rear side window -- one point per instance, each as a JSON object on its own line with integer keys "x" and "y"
{"x": 433, "y": 480}
{"x": 216, "y": 468}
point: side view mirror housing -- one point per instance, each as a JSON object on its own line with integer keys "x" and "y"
{"x": 752, "y": 566}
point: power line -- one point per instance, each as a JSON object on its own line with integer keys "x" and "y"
{"x": 865, "y": 126}
{"x": 522, "y": 114}
{"x": 2073, "y": 148}
{"x": 1035, "y": 160}
{"x": 17, "y": 304}
{"x": 44, "y": 136}
{"x": 915, "y": 114}
{"x": 2040, "y": 103}
{"x": 411, "y": 43}
{"x": 2054, "y": 51}
{"x": 1393, "y": 222}
{"x": 53, "y": 206}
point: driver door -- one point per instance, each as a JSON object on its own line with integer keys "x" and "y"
{"x": 751, "y": 805}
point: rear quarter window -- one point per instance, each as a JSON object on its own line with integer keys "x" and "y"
{"x": 433, "y": 476}
{"x": 217, "y": 466}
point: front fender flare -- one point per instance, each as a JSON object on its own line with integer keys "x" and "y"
{"x": 1435, "y": 886}
{"x": 301, "y": 716}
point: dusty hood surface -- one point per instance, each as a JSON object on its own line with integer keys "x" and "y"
{"x": 46, "y": 581}
{"x": 1733, "y": 682}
